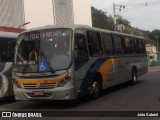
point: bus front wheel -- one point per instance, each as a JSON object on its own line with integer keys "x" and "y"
{"x": 95, "y": 89}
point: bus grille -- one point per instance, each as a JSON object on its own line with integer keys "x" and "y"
{"x": 39, "y": 86}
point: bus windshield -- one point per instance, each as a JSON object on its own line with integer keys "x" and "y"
{"x": 43, "y": 51}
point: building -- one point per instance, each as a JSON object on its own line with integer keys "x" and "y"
{"x": 151, "y": 49}
{"x": 47, "y": 12}
{"x": 151, "y": 52}
{"x": 120, "y": 27}
{"x": 14, "y": 13}
{"x": 11, "y": 15}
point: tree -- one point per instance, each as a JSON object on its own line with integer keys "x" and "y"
{"x": 101, "y": 20}
{"x": 123, "y": 21}
{"x": 155, "y": 36}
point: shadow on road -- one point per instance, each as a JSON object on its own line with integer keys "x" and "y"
{"x": 5, "y": 101}
{"x": 120, "y": 87}
{"x": 59, "y": 105}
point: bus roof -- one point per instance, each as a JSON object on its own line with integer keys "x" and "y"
{"x": 8, "y": 34}
{"x": 76, "y": 26}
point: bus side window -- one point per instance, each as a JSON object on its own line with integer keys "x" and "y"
{"x": 80, "y": 47}
{"x": 128, "y": 45}
{"x": 7, "y": 49}
{"x": 118, "y": 44}
{"x": 134, "y": 45}
{"x": 107, "y": 44}
{"x": 143, "y": 46}
{"x": 94, "y": 44}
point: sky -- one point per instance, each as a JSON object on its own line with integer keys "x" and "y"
{"x": 142, "y": 14}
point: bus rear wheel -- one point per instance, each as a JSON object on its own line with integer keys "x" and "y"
{"x": 134, "y": 76}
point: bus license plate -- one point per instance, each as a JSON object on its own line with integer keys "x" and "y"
{"x": 38, "y": 93}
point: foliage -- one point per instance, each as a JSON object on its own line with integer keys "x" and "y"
{"x": 101, "y": 20}
{"x": 153, "y": 63}
{"x": 123, "y": 21}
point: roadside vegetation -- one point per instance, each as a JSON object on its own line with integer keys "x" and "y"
{"x": 101, "y": 20}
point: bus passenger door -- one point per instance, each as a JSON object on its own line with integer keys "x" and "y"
{"x": 81, "y": 59}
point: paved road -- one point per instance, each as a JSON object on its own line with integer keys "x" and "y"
{"x": 145, "y": 96}
{"x": 154, "y": 69}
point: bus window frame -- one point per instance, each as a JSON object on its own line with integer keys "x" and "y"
{"x": 80, "y": 62}
{"x": 103, "y": 45}
{"x": 101, "y": 52}
{"x": 122, "y": 44}
{"x": 11, "y": 40}
{"x": 133, "y": 40}
{"x": 130, "y": 42}
{"x": 143, "y": 46}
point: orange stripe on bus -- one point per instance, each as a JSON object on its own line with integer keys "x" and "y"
{"x": 105, "y": 67}
{"x": 41, "y": 81}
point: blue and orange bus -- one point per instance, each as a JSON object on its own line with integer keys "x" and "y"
{"x": 7, "y": 45}
{"x": 71, "y": 61}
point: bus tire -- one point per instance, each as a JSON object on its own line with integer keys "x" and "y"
{"x": 134, "y": 76}
{"x": 95, "y": 88}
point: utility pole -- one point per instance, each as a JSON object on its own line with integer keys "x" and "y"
{"x": 54, "y": 13}
{"x": 114, "y": 13}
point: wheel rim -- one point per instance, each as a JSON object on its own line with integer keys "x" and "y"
{"x": 95, "y": 89}
{"x": 134, "y": 77}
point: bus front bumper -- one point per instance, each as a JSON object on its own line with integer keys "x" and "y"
{"x": 59, "y": 93}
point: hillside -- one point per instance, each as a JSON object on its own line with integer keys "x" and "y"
{"x": 101, "y": 20}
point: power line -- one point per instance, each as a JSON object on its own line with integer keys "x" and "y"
{"x": 129, "y": 6}
{"x": 144, "y": 3}
{"x": 120, "y": 7}
{"x": 138, "y": 5}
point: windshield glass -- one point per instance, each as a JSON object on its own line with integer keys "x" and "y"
{"x": 43, "y": 51}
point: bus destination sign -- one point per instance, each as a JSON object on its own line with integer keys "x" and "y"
{"x": 45, "y": 34}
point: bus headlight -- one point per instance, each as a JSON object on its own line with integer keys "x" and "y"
{"x": 16, "y": 83}
{"x": 64, "y": 81}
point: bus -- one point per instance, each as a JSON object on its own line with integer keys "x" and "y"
{"x": 7, "y": 45}
{"x": 67, "y": 62}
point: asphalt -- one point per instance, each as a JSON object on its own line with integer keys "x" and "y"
{"x": 144, "y": 96}
{"x": 154, "y": 68}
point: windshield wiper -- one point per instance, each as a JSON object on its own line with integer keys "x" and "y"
{"x": 25, "y": 67}
{"x": 48, "y": 62}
